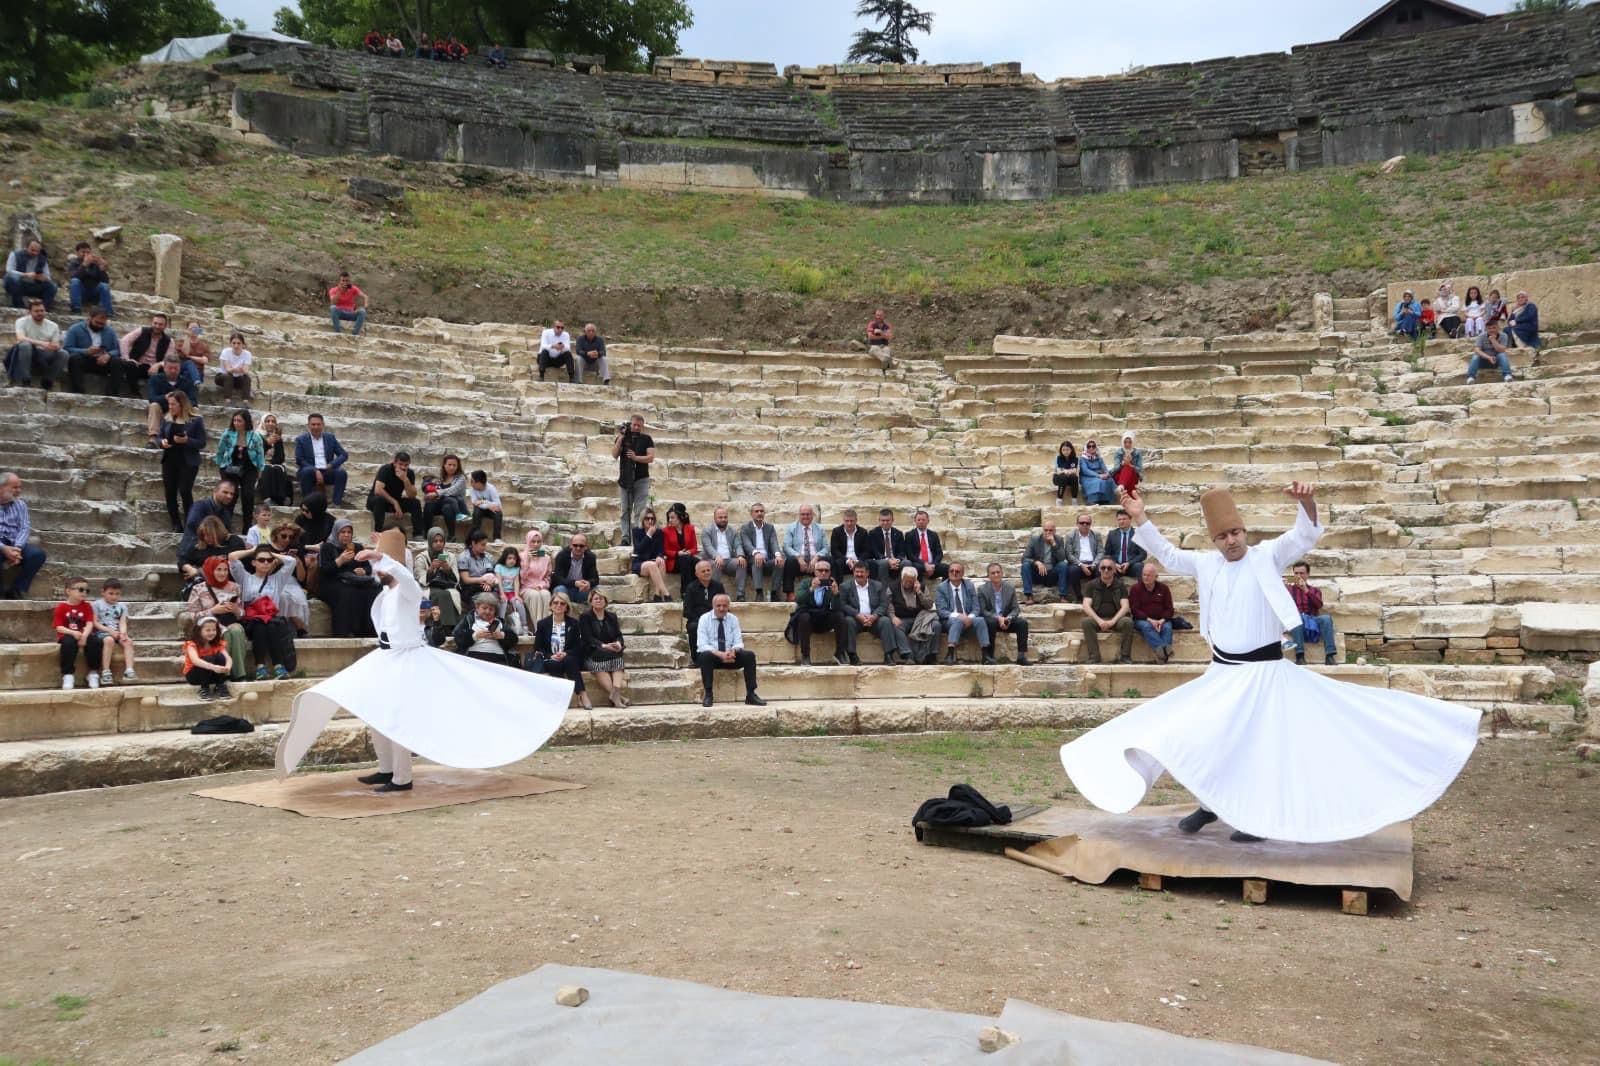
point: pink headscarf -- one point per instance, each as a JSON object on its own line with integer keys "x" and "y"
{"x": 535, "y": 564}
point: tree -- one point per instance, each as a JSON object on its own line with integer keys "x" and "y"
{"x": 1548, "y": 7}
{"x": 57, "y": 46}
{"x": 892, "y": 43}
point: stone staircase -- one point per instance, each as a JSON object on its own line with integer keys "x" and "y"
{"x": 1445, "y": 514}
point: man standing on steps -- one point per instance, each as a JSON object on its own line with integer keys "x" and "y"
{"x": 721, "y": 644}
{"x": 1277, "y": 750}
{"x": 634, "y": 451}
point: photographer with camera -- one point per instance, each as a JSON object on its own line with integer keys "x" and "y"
{"x": 635, "y": 451}
{"x": 816, "y": 606}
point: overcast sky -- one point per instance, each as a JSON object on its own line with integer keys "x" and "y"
{"x": 1051, "y": 38}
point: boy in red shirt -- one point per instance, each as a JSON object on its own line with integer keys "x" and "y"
{"x": 75, "y": 628}
{"x": 347, "y": 303}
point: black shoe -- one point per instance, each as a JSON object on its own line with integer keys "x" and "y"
{"x": 855, "y": 660}
{"x": 889, "y": 660}
{"x": 1299, "y": 660}
{"x": 950, "y": 658}
{"x": 377, "y": 778}
{"x": 839, "y": 659}
{"x": 706, "y": 702}
{"x": 219, "y": 691}
{"x": 1023, "y": 660}
{"x": 1193, "y": 823}
{"x": 1241, "y": 837}
{"x": 390, "y": 786}
{"x": 988, "y": 658}
{"x": 205, "y": 693}
{"x": 541, "y": 375}
{"x": 805, "y": 660}
{"x": 753, "y": 700}
{"x": 1332, "y": 660}
{"x": 1125, "y": 660}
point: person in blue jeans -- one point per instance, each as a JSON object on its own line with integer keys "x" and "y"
{"x": 88, "y": 284}
{"x": 1308, "y": 601}
{"x": 1488, "y": 349}
{"x": 1408, "y": 315}
{"x": 347, "y": 303}
{"x": 22, "y": 559}
{"x": 1045, "y": 560}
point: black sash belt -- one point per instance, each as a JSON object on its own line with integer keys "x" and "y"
{"x": 383, "y": 641}
{"x": 1265, "y": 654}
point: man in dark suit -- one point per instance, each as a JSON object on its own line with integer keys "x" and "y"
{"x": 847, "y": 543}
{"x": 887, "y": 546}
{"x": 997, "y": 602}
{"x": 697, "y": 597}
{"x": 1121, "y": 549}
{"x": 218, "y": 505}
{"x": 816, "y": 609}
{"x": 320, "y": 459}
{"x": 923, "y": 549}
{"x": 575, "y": 572}
{"x": 862, "y": 606}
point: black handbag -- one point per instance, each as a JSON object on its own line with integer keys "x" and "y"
{"x": 233, "y": 472}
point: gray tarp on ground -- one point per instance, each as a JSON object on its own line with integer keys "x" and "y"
{"x": 189, "y": 49}
{"x": 632, "y": 1020}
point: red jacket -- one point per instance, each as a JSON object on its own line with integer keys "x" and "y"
{"x": 674, "y": 540}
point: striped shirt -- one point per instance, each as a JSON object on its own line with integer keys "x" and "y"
{"x": 14, "y": 523}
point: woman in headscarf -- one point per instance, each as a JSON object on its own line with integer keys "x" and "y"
{"x": 1127, "y": 465}
{"x": 275, "y": 483}
{"x": 218, "y": 596}
{"x": 347, "y": 585}
{"x": 1093, "y": 478}
{"x": 914, "y": 616}
{"x": 435, "y": 571}
{"x": 535, "y": 577}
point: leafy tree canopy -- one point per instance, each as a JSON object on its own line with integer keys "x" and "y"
{"x": 51, "y": 47}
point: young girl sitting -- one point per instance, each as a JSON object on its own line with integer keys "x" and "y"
{"x": 206, "y": 662}
{"x": 1473, "y": 312}
{"x": 508, "y": 572}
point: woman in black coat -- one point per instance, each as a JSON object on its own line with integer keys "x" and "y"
{"x": 182, "y": 441}
{"x": 602, "y": 647}
{"x": 275, "y": 483}
{"x": 346, "y": 584}
{"x": 558, "y": 647}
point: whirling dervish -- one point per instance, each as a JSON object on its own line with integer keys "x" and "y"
{"x": 410, "y": 695}
{"x": 1277, "y": 750}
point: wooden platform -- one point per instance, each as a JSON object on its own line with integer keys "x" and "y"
{"x": 1090, "y": 845}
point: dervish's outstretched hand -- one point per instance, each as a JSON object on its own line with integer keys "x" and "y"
{"x": 1305, "y": 493}
{"x": 1129, "y": 498}
{"x": 367, "y": 555}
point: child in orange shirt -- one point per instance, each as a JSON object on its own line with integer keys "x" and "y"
{"x": 206, "y": 661}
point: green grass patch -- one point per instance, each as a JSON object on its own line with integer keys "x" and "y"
{"x": 1569, "y": 694}
{"x": 70, "y": 1008}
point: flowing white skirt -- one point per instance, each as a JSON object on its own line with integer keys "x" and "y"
{"x": 449, "y": 709}
{"x": 1280, "y": 751}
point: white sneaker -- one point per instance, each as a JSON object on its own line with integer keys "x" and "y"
{"x": 129, "y": 675}
{"x": 106, "y": 677}
{"x": 94, "y": 679}
{"x": 66, "y": 682}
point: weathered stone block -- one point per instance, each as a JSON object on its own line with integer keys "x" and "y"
{"x": 168, "y": 251}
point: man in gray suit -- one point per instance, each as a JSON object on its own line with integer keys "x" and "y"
{"x": 721, "y": 546}
{"x": 957, "y": 604}
{"x": 997, "y": 602}
{"x": 762, "y": 548}
{"x": 862, "y": 606}
{"x": 1083, "y": 553}
{"x": 1045, "y": 559}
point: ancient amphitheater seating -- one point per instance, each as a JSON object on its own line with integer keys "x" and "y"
{"x": 1440, "y": 502}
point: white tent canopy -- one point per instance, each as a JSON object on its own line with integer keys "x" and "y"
{"x": 189, "y": 49}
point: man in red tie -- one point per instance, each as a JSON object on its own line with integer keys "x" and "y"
{"x": 923, "y": 546}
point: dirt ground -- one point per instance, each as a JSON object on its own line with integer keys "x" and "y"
{"x": 145, "y": 925}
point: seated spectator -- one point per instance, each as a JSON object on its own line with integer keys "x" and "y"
{"x": 455, "y": 51}
{"x": 647, "y": 561}
{"x": 915, "y": 618}
{"x": 174, "y": 376}
{"x": 879, "y": 336}
{"x": 217, "y": 596}
{"x": 508, "y": 576}
{"x": 888, "y": 547}
{"x": 957, "y": 604}
{"x": 555, "y": 349}
{"x": 211, "y": 541}
{"x": 435, "y": 570}
{"x": 434, "y": 631}
{"x": 1408, "y": 316}
{"x": 182, "y": 440}
{"x": 1427, "y": 322}
{"x": 233, "y": 374}
{"x": 721, "y": 644}
{"x": 347, "y": 303}
{"x": 847, "y": 544}
{"x": 266, "y": 580}
{"x": 762, "y": 546}
{"x": 1045, "y": 558}
{"x": 697, "y": 597}
{"x": 38, "y": 353}
{"x": 261, "y": 531}
{"x": 241, "y": 454}
{"x": 601, "y": 634}
{"x": 218, "y": 505}
{"x": 424, "y": 45}
{"x": 483, "y": 634}
{"x": 1315, "y": 624}
{"x": 1523, "y": 330}
{"x": 679, "y": 545}
{"x": 28, "y": 276}
{"x": 374, "y": 42}
{"x": 475, "y": 566}
{"x": 1127, "y": 463}
{"x": 441, "y": 50}
{"x": 111, "y": 622}
{"x": 1494, "y": 309}
{"x": 720, "y": 546}
{"x": 193, "y": 349}
{"x": 497, "y": 56}
{"x": 319, "y": 460}
{"x": 396, "y": 49}
{"x": 87, "y": 280}
{"x": 536, "y": 562}
{"x": 146, "y": 346}
{"x": 285, "y": 541}
{"x": 1472, "y": 320}
{"x": 484, "y": 499}
{"x": 1150, "y": 602}
{"x": 863, "y": 607}
{"x": 274, "y": 483}
{"x": 74, "y": 625}
{"x": 24, "y": 559}
{"x": 316, "y": 524}
{"x": 1083, "y": 551}
{"x": 1106, "y": 610}
{"x": 591, "y": 355}
{"x": 1093, "y": 477}
{"x": 206, "y": 662}
{"x": 1064, "y": 476}
{"x": 92, "y": 347}
{"x": 558, "y": 647}
{"x": 1447, "y": 310}
{"x": 1487, "y": 349}
{"x": 816, "y": 609}
{"x": 924, "y": 550}
{"x": 804, "y": 542}
{"x": 394, "y": 493}
{"x": 1120, "y": 547}
{"x": 575, "y": 573}
{"x": 346, "y": 584}
{"x": 1002, "y": 614}
{"x": 444, "y": 498}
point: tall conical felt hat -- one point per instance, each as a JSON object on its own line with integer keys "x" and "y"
{"x": 392, "y": 543}
{"x": 1221, "y": 513}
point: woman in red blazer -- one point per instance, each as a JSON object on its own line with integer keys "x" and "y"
{"x": 679, "y": 545}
